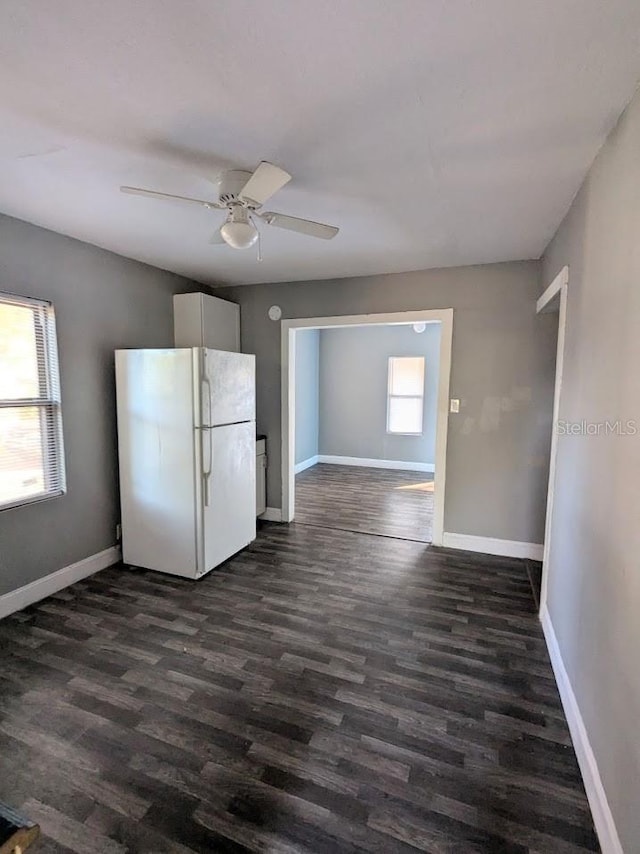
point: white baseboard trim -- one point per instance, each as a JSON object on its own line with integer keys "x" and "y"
{"x": 305, "y": 464}
{"x": 18, "y": 599}
{"x": 369, "y": 462}
{"x": 600, "y": 810}
{"x": 272, "y": 514}
{"x": 492, "y": 546}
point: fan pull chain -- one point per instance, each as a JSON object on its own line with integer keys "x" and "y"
{"x": 259, "y": 240}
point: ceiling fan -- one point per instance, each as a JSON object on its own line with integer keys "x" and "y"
{"x": 242, "y": 194}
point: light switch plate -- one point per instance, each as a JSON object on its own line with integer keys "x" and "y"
{"x": 455, "y": 405}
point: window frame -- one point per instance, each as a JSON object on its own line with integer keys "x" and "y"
{"x": 391, "y": 396}
{"x": 49, "y": 402}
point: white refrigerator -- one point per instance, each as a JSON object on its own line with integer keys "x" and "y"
{"x": 187, "y": 455}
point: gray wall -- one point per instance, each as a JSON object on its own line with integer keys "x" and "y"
{"x": 503, "y": 366}
{"x": 594, "y": 574}
{"x": 353, "y": 391}
{"x": 102, "y": 302}
{"x": 307, "y": 390}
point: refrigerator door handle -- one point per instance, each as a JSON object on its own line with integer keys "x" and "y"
{"x": 205, "y": 383}
{"x": 206, "y": 473}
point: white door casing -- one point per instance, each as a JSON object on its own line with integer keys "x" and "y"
{"x": 554, "y": 298}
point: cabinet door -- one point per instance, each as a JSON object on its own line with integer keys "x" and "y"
{"x": 220, "y": 324}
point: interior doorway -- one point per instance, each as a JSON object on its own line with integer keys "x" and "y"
{"x": 365, "y": 416}
{"x": 374, "y": 461}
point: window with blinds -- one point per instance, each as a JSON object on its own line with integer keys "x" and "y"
{"x": 31, "y": 449}
{"x": 405, "y": 397}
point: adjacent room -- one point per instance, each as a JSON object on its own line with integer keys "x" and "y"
{"x": 319, "y": 427}
{"x": 366, "y": 402}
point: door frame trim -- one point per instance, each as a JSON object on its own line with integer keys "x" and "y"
{"x": 553, "y": 299}
{"x": 444, "y": 317}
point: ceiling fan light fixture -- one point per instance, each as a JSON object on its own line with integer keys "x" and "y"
{"x": 238, "y": 231}
{"x": 242, "y": 194}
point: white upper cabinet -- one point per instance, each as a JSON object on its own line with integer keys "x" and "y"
{"x": 200, "y": 320}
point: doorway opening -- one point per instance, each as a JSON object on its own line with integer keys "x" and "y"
{"x": 365, "y": 408}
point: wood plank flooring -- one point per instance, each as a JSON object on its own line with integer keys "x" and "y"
{"x": 323, "y": 691}
{"x": 374, "y": 501}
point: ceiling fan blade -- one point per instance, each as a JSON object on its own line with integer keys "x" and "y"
{"x": 217, "y": 239}
{"x": 303, "y": 226}
{"x": 266, "y": 180}
{"x": 154, "y": 194}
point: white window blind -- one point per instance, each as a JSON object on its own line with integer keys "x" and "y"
{"x": 405, "y": 398}
{"x": 31, "y": 448}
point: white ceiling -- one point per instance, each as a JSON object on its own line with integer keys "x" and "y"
{"x": 433, "y": 132}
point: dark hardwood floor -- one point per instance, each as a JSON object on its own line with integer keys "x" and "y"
{"x": 373, "y": 501}
{"x": 323, "y": 691}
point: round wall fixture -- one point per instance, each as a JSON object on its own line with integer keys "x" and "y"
{"x": 419, "y": 327}
{"x": 275, "y": 312}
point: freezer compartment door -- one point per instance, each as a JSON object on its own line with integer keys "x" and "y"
{"x": 228, "y": 387}
{"x": 228, "y": 492}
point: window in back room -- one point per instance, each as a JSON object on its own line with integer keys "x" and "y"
{"x": 31, "y": 445}
{"x": 405, "y": 396}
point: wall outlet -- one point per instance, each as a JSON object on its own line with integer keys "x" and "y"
{"x": 455, "y": 405}
{"x": 118, "y": 532}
